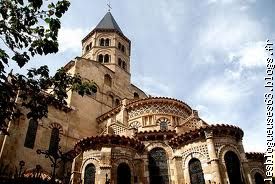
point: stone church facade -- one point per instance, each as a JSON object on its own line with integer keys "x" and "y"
{"x": 121, "y": 135}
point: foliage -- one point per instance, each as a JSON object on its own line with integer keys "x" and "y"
{"x": 28, "y": 28}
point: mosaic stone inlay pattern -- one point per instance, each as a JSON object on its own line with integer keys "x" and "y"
{"x": 157, "y": 109}
{"x": 135, "y": 125}
{"x": 199, "y": 149}
{"x": 163, "y": 120}
{"x": 193, "y": 124}
{"x": 118, "y": 129}
{"x": 217, "y": 147}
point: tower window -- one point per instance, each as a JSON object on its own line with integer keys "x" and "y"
{"x": 107, "y": 80}
{"x": 123, "y": 48}
{"x": 119, "y": 62}
{"x": 87, "y": 48}
{"x": 136, "y": 96}
{"x": 124, "y": 65}
{"x": 102, "y": 42}
{"x": 106, "y": 58}
{"x": 111, "y": 100}
{"x": 107, "y": 42}
{"x": 31, "y": 134}
{"x": 54, "y": 142}
{"x": 119, "y": 45}
{"x": 100, "y": 58}
{"x": 117, "y": 102}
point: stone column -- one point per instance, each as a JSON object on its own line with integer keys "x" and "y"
{"x": 146, "y": 179}
{"x": 244, "y": 161}
{"x": 76, "y": 173}
{"x": 213, "y": 157}
{"x": 105, "y": 165}
{"x": 178, "y": 170}
{"x": 105, "y": 174}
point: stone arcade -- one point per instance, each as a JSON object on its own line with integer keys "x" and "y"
{"x": 121, "y": 134}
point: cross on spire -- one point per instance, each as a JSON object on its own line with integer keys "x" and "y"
{"x": 109, "y": 6}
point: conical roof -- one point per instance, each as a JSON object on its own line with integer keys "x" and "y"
{"x": 108, "y": 22}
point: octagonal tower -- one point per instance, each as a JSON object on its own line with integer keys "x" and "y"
{"x": 107, "y": 44}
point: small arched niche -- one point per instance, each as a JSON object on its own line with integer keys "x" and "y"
{"x": 108, "y": 80}
{"x": 136, "y": 96}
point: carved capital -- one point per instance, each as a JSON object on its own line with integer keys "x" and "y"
{"x": 208, "y": 134}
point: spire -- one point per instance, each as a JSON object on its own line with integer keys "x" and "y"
{"x": 108, "y": 22}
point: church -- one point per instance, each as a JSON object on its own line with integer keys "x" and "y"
{"x": 121, "y": 135}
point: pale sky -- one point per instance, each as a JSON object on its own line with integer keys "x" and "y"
{"x": 207, "y": 53}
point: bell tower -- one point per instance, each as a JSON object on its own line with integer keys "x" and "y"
{"x": 107, "y": 45}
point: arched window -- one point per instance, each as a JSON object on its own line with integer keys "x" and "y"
{"x": 123, "y": 174}
{"x": 122, "y": 48}
{"x": 136, "y": 96}
{"x": 117, "y": 102}
{"x": 107, "y": 42}
{"x": 259, "y": 178}
{"x": 31, "y": 134}
{"x": 119, "y": 45}
{"x": 89, "y": 174}
{"x": 106, "y": 58}
{"x": 163, "y": 125}
{"x": 54, "y": 142}
{"x": 124, "y": 65}
{"x": 195, "y": 172}
{"x": 233, "y": 167}
{"x": 158, "y": 168}
{"x": 107, "y": 80}
{"x": 119, "y": 62}
{"x": 102, "y": 42}
{"x": 94, "y": 91}
{"x": 100, "y": 58}
{"x": 87, "y": 48}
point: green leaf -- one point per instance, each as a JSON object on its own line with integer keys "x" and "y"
{"x": 47, "y": 20}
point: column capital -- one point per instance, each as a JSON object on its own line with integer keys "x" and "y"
{"x": 208, "y": 134}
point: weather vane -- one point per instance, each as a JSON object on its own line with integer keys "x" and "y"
{"x": 109, "y": 5}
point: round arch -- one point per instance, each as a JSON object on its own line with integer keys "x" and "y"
{"x": 89, "y": 174}
{"x": 123, "y": 174}
{"x": 114, "y": 172}
{"x": 225, "y": 148}
{"x": 192, "y": 155}
{"x": 233, "y": 167}
{"x": 102, "y": 52}
{"x": 103, "y": 35}
{"x": 196, "y": 174}
{"x": 254, "y": 171}
{"x": 258, "y": 178}
{"x": 186, "y": 160}
{"x": 108, "y": 80}
{"x": 56, "y": 125}
{"x": 158, "y": 166}
{"x": 88, "y": 161}
{"x": 166, "y": 147}
{"x": 221, "y": 153}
